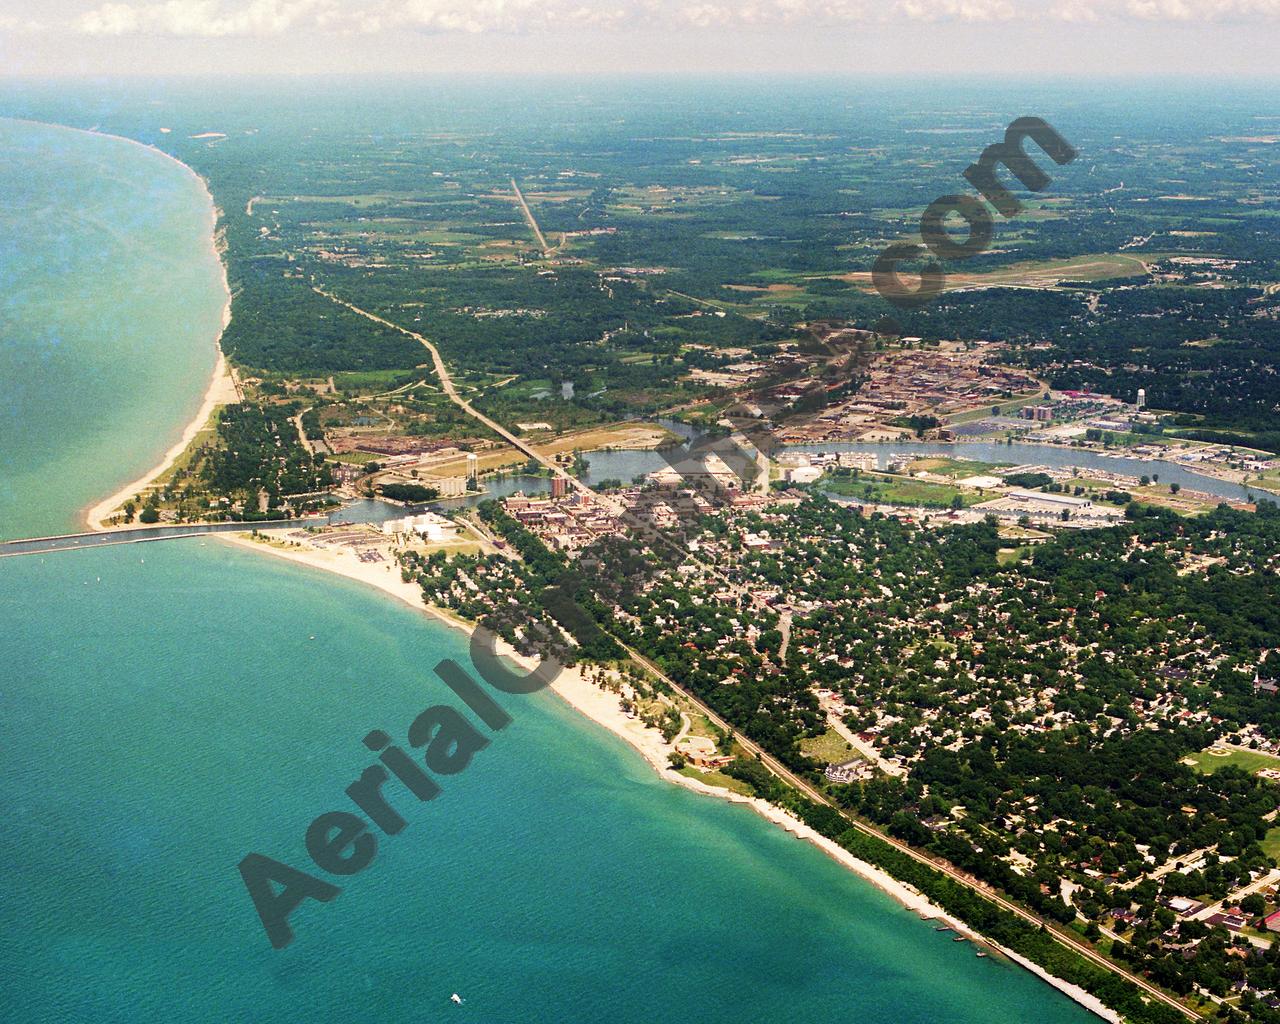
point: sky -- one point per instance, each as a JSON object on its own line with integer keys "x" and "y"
{"x": 1149, "y": 38}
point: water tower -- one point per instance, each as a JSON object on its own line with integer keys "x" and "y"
{"x": 1142, "y": 399}
{"x": 472, "y": 471}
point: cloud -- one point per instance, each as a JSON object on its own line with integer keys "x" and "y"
{"x": 21, "y": 26}
{"x": 275, "y": 17}
{"x": 349, "y": 21}
{"x": 763, "y": 12}
{"x": 198, "y": 18}
{"x": 447, "y": 16}
{"x": 474, "y": 16}
{"x": 957, "y": 10}
{"x": 1202, "y": 10}
{"x": 1075, "y": 11}
{"x": 213, "y": 18}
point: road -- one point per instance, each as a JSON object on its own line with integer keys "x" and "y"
{"x": 694, "y": 298}
{"x": 145, "y": 534}
{"x": 1066, "y": 939}
{"x": 865, "y": 749}
{"x": 1060, "y": 935}
{"x": 1169, "y": 866}
{"x": 528, "y": 216}
{"x": 447, "y": 385}
{"x": 1257, "y": 885}
{"x": 302, "y": 431}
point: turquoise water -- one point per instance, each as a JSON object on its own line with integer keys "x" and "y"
{"x": 110, "y": 298}
{"x": 166, "y": 709}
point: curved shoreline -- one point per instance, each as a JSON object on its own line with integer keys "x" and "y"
{"x": 602, "y": 707}
{"x": 571, "y": 686}
{"x": 221, "y": 389}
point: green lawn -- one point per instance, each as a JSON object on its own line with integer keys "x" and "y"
{"x": 1271, "y": 843}
{"x": 1007, "y": 406}
{"x": 830, "y": 747}
{"x": 372, "y": 380}
{"x": 900, "y": 490}
{"x": 699, "y": 724}
{"x": 1247, "y": 760}
{"x": 718, "y": 779}
{"x": 955, "y": 468}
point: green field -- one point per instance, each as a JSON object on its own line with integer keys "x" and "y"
{"x": 1246, "y": 760}
{"x": 830, "y": 747}
{"x": 900, "y": 490}
{"x": 1010, "y": 556}
{"x": 719, "y": 779}
{"x": 956, "y": 468}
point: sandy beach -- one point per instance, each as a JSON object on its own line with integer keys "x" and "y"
{"x": 221, "y": 390}
{"x": 571, "y": 685}
{"x": 603, "y": 708}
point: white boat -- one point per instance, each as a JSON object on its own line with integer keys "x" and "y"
{"x": 456, "y": 999}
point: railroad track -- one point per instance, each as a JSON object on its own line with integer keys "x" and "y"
{"x": 775, "y": 766}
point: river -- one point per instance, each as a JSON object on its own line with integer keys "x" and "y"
{"x": 169, "y": 708}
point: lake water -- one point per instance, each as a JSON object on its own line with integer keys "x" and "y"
{"x": 110, "y": 298}
{"x": 166, "y": 709}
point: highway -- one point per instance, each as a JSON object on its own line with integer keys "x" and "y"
{"x": 302, "y": 432}
{"x": 1062, "y": 936}
{"x": 450, "y": 390}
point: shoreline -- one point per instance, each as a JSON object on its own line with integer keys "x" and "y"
{"x": 571, "y": 686}
{"x": 221, "y": 389}
{"x": 602, "y": 707}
